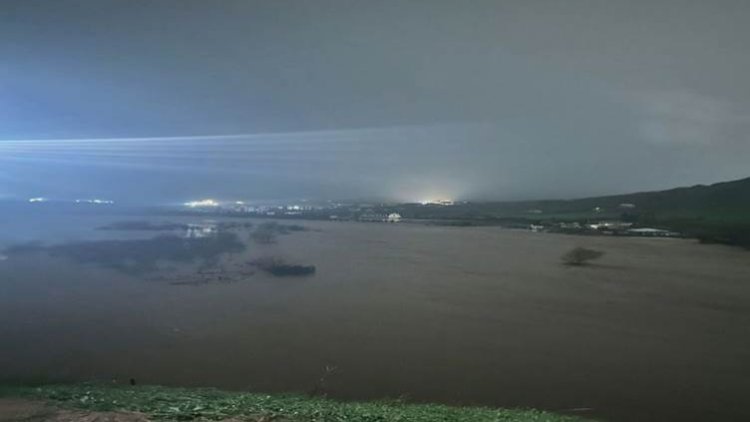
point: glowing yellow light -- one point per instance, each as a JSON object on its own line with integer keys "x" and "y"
{"x": 444, "y": 202}
{"x": 202, "y": 203}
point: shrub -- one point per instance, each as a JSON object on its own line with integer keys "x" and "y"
{"x": 581, "y": 256}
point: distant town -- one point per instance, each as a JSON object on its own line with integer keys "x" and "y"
{"x": 436, "y": 212}
{"x": 615, "y": 220}
{"x": 709, "y": 213}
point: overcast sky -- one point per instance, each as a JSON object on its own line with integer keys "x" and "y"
{"x": 390, "y": 99}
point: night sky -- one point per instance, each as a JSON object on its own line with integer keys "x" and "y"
{"x": 406, "y": 100}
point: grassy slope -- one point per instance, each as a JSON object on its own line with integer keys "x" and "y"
{"x": 188, "y": 404}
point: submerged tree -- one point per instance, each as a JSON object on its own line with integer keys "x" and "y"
{"x": 581, "y": 256}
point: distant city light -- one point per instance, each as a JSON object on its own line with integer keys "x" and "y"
{"x": 202, "y": 203}
{"x": 95, "y": 201}
{"x": 444, "y": 202}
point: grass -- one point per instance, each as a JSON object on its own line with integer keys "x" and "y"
{"x": 163, "y": 403}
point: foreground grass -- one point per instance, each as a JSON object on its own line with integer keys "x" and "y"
{"x": 188, "y": 404}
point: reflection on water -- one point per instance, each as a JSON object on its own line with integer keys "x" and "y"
{"x": 141, "y": 225}
{"x": 201, "y": 244}
{"x": 198, "y": 231}
{"x": 195, "y": 230}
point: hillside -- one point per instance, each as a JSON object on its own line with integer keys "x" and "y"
{"x": 713, "y": 213}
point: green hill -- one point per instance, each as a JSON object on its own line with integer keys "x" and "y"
{"x": 712, "y": 213}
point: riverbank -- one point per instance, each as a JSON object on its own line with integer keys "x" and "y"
{"x": 164, "y": 403}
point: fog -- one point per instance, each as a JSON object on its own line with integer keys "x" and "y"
{"x": 172, "y": 100}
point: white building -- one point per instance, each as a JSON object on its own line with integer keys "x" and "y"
{"x": 611, "y": 225}
{"x": 651, "y": 232}
{"x": 394, "y": 217}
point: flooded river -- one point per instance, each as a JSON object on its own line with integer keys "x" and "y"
{"x": 658, "y": 329}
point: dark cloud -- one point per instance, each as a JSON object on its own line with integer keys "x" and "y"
{"x": 391, "y": 99}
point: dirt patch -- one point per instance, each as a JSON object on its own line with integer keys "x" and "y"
{"x": 17, "y": 410}
{"x": 23, "y": 410}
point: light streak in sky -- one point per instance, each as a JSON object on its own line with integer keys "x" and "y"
{"x": 363, "y": 154}
{"x": 342, "y": 135}
{"x": 194, "y": 151}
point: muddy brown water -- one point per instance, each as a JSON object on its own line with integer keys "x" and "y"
{"x": 657, "y": 330}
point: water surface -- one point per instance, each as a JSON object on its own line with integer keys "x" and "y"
{"x": 659, "y": 329}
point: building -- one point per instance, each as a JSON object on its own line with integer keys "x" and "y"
{"x": 610, "y": 225}
{"x": 536, "y": 228}
{"x": 394, "y": 217}
{"x": 651, "y": 232}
